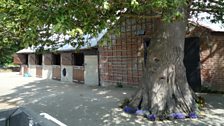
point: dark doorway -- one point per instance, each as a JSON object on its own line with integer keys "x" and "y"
{"x": 26, "y": 59}
{"x": 192, "y": 62}
{"x": 38, "y": 59}
{"x": 78, "y": 59}
{"x": 56, "y": 59}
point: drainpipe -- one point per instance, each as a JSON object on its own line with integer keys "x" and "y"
{"x": 98, "y": 60}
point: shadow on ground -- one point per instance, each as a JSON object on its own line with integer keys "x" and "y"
{"x": 81, "y": 105}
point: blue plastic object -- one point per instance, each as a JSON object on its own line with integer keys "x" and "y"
{"x": 130, "y": 110}
{"x": 27, "y": 74}
{"x": 177, "y": 116}
{"x": 139, "y": 112}
{"x": 193, "y": 115}
{"x": 151, "y": 117}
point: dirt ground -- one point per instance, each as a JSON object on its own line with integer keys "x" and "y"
{"x": 81, "y": 105}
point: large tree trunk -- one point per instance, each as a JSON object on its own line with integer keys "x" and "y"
{"x": 164, "y": 87}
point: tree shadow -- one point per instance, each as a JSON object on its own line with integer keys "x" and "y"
{"x": 212, "y": 50}
{"x": 30, "y": 91}
{"x": 75, "y": 104}
{"x": 69, "y": 102}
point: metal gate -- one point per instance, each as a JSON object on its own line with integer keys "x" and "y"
{"x": 192, "y": 62}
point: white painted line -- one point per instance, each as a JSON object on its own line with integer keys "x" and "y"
{"x": 2, "y": 119}
{"x": 49, "y": 117}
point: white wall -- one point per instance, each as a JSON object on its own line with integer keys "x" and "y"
{"x": 32, "y": 70}
{"x": 47, "y": 72}
{"x": 22, "y": 69}
{"x": 69, "y": 73}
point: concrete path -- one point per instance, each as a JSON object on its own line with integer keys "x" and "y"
{"x": 80, "y": 105}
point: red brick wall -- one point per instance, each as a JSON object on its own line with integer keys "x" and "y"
{"x": 122, "y": 61}
{"x": 16, "y": 59}
{"x": 47, "y": 59}
{"x": 32, "y": 59}
{"x": 19, "y": 59}
{"x": 66, "y": 58}
{"x": 211, "y": 58}
{"x": 212, "y": 63}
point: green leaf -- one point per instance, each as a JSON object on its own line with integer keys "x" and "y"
{"x": 134, "y": 3}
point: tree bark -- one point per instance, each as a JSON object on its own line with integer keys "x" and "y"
{"x": 164, "y": 87}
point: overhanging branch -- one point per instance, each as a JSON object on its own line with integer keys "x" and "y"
{"x": 203, "y": 10}
{"x": 141, "y": 16}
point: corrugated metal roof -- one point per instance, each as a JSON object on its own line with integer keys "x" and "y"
{"x": 67, "y": 47}
{"x": 27, "y": 50}
{"x": 202, "y": 20}
{"x": 91, "y": 42}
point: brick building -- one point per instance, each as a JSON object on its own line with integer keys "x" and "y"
{"x": 211, "y": 53}
{"x": 64, "y": 64}
{"x": 121, "y": 59}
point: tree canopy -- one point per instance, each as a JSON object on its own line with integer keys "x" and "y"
{"x": 33, "y": 22}
{"x": 164, "y": 87}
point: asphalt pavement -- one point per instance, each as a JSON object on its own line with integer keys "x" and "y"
{"x": 81, "y": 105}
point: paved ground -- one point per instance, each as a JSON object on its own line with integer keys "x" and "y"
{"x": 79, "y": 105}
